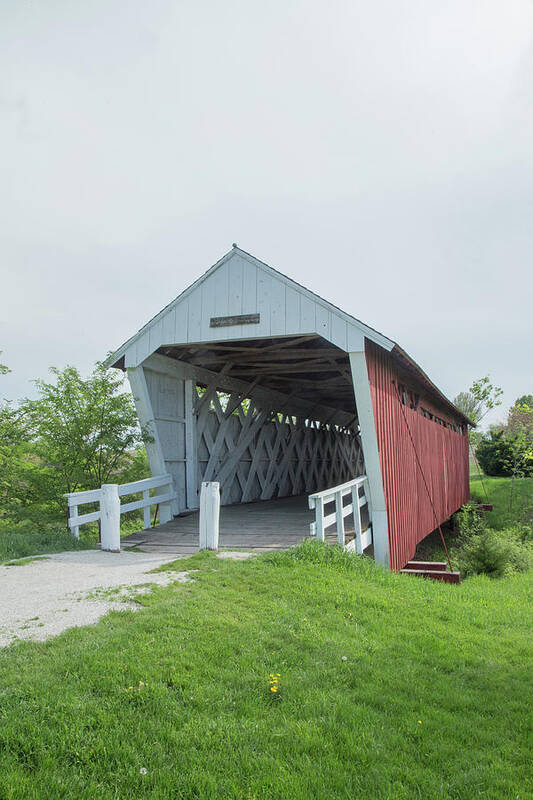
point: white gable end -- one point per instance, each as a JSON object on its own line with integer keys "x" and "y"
{"x": 239, "y": 285}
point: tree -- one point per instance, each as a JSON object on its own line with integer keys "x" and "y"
{"x": 524, "y": 400}
{"x": 520, "y": 429}
{"x": 497, "y": 453}
{"x": 84, "y": 430}
{"x": 14, "y": 461}
{"x": 479, "y": 399}
{"x": 487, "y": 395}
{"x": 467, "y": 403}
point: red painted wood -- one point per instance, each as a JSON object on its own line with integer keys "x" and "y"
{"x": 443, "y": 455}
{"x": 445, "y": 577}
{"x": 436, "y": 566}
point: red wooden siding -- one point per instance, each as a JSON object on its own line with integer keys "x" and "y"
{"x": 442, "y": 452}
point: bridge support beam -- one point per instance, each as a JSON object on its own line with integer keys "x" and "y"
{"x": 365, "y": 413}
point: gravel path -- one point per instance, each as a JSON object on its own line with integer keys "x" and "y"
{"x": 65, "y": 590}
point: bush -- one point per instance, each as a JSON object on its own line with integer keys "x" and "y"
{"x": 482, "y": 550}
{"x": 499, "y": 453}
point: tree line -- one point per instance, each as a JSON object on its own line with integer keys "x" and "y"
{"x": 506, "y": 449}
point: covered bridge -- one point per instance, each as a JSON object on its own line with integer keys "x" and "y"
{"x": 250, "y": 379}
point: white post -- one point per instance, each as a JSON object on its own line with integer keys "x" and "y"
{"x": 320, "y": 533}
{"x": 73, "y": 512}
{"x": 146, "y": 509}
{"x": 357, "y": 519}
{"x": 340, "y": 518}
{"x": 110, "y": 517}
{"x": 209, "y": 515}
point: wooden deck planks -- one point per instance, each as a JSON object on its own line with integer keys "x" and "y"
{"x": 259, "y": 527}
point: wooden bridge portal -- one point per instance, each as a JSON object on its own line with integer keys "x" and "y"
{"x": 251, "y": 380}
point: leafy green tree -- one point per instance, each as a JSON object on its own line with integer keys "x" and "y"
{"x": 84, "y": 430}
{"x": 524, "y": 400}
{"x": 481, "y": 398}
{"x": 14, "y": 461}
{"x": 469, "y": 405}
{"x": 487, "y": 395}
{"x": 12, "y": 455}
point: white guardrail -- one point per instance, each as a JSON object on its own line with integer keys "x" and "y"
{"x": 108, "y": 496}
{"x": 319, "y": 501}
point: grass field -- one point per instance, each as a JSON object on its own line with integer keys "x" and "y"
{"x": 513, "y": 501}
{"x": 431, "y": 700}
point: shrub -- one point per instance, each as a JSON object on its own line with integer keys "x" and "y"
{"x": 482, "y": 550}
{"x": 500, "y": 453}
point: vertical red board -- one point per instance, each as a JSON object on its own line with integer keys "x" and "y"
{"x": 442, "y": 453}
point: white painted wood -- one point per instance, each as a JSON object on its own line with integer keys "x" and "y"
{"x": 240, "y": 283}
{"x": 335, "y": 494}
{"x": 156, "y": 500}
{"x": 259, "y": 454}
{"x": 145, "y": 413}
{"x": 339, "y": 518}
{"x": 73, "y": 512}
{"x": 142, "y": 485}
{"x": 146, "y": 510}
{"x": 83, "y": 519}
{"x": 110, "y": 518}
{"x": 369, "y": 441}
{"x": 174, "y": 368}
{"x": 209, "y": 515}
{"x": 356, "y": 506}
{"x": 191, "y": 451}
{"x": 78, "y": 498}
{"x": 319, "y": 523}
{"x": 343, "y": 487}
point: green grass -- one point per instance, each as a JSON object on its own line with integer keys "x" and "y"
{"x": 30, "y": 539}
{"x": 484, "y": 489}
{"x": 431, "y": 701}
{"x": 507, "y": 511}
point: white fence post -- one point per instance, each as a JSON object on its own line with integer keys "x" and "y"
{"x": 110, "y": 517}
{"x": 319, "y": 529}
{"x": 146, "y": 510}
{"x": 73, "y": 512}
{"x": 209, "y": 515}
{"x": 340, "y": 518}
{"x": 357, "y": 520}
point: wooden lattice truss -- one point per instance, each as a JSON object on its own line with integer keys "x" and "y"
{"x": 257, "y": 452}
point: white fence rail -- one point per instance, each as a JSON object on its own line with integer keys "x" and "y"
{"x": 108, "y": 497}
{"x": 357, "y": 490}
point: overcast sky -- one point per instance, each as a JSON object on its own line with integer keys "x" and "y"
{"x": 379, "y": 153}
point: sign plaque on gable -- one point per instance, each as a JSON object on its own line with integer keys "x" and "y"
{"x": 238, "y": 319}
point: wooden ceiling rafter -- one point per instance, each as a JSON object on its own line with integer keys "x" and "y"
{"x": 307, "y": 366}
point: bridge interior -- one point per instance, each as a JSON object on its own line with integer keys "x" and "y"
{"x": 257, "y": 527}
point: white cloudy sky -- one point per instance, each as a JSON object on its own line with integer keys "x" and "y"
{"x": 379, "y": 153}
